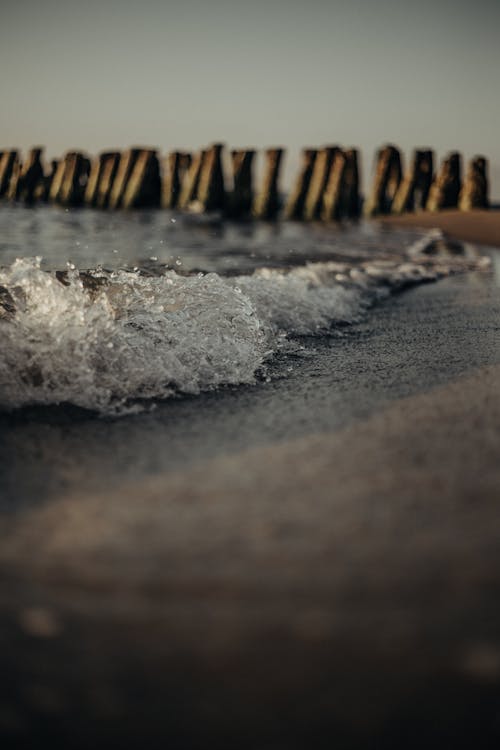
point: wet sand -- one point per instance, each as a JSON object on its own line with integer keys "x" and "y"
{"x": 337, "y": 584}
{"x": 325, "y": 572}
{"x": 482, "y": 227}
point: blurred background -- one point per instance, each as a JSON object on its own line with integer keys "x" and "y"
{"x": 113, "y": 73}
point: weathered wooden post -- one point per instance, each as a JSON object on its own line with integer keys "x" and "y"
{"x": 350, "y": 195}
{"x": 319, "y": 179}
{"x": 74, "y": 179}
{"x": 414, "y": 189}
{"x": 172, "y": 179}
{"x": 386, "y": 181}
{"x": 42, "y": 190}
{"x": 186, "y": 161}
{"x": 191, "y": 181}
{"x": 341, "y": 195}
{"x": 31, "y": 176}
{"x": 445, "y": 188}
{"x": 294, "y": 209}
{"x": 332, "y": 195}
{"x": 475, "y": 190}
{"x": 143, "y": 189}
{"x": 57, "y": 180}
{"x": 266, "y": 204}
{"x": 107, "y": 178}
{"x": 125, "y": 166}
{"x": 7, "y": 164}
{"x": 241, "y": 199}
{"x": 13, "y": 190}
{"x": 91, "y": 189}
{"x": 211, "y": 191}
{"x": 97, "y": 172}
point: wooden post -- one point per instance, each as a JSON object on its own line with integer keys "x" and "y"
{"x": 475, "y": 190}
{"x": 42, "y": 190}
{"x": 97, "y": 171}
{"x": 143, "y": 188}
{"x": 211, "y": 191}
{"x": 296, "y": 200}
{"x": 319, "y": 180}
{"x": 57, "y": 180}
{"x": 7, "y": 163}
{"x": 126, "y": 164}
{"x": 414, "y": 190}
{"x": 241, "y": 198}
{"x": 185, "y": 165}
{"x": 350, "y": 195}
{"x": 76, "y": 168}
{"x": 91, "y": 189}
{"x": 191, "y": 181}
{"x": 386, "y": 181}
{"x": 332, "y": 195}
{"x": 31, "y": 176}
{"x": 266, "y": 204}
{"x": 445, "y": 189}
{"x": 176, "y": 165}
{"x": 341, "y": 195}
{"x": 13, "y": 190}
{"x": 107, "y": 178}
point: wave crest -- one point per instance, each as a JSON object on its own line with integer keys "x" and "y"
{"x": 106, "y": 341}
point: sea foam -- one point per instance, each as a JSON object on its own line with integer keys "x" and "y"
{"x": 111, "y": 341}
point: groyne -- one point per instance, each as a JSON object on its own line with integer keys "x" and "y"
{"x": 326, "y": 187}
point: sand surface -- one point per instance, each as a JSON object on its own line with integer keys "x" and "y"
{"x": 407, "y": 480}
{"x": 338, "y": 586}
{"x": 326, "y": 573}
{"x": 482, "y": 227}
{"x": 305, "y": 563}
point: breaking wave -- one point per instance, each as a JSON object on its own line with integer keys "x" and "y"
{"x": 109, "y": 341}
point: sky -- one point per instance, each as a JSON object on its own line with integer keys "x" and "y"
{"x": 104, "y": 74}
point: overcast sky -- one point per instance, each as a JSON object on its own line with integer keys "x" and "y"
{"x": 111, "y": 73}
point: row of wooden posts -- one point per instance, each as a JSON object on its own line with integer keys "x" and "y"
{"x": 327, "y": 186}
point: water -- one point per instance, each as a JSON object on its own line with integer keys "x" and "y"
{"x": 112, "y": 312}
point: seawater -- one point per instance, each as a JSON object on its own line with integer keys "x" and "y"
{"x": 114, "y": 311}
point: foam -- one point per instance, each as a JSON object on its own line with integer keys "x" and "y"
{"x": 131, "y": 338}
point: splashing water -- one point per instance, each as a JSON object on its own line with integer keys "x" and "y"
{"x": 107, "y": 341}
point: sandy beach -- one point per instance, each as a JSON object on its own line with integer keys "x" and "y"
{"x": 482, "y": 227}
{"x": 317, "y": 558}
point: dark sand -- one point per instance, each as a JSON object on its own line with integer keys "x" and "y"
{"x": 308, "y": 564}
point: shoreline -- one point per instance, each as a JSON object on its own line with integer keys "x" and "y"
{"x": 400, "y": 347}
{"x": 317, "y": 557}
{"x": 479, "y": 227}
